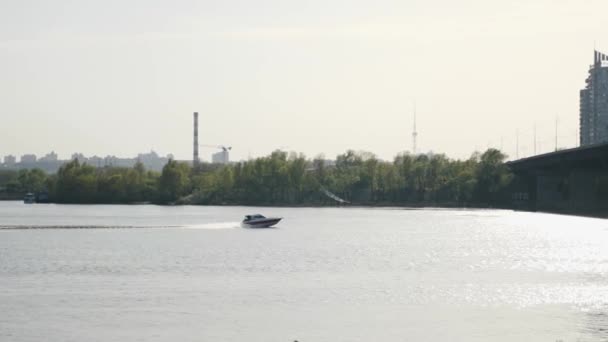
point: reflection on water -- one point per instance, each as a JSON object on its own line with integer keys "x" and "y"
{"x": 351, "y": 274}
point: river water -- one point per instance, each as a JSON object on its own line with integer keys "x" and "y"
{"x": 151, "y": 273}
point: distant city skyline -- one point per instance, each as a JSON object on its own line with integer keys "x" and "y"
{"x": 120, "y": 77}
{"x": 52, "y": 156}
{"x": 51, "y": 161}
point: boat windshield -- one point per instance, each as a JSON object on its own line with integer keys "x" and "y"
{"x": 251, "y": 217}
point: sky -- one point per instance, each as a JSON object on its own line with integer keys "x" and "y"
{"x": 318, "y": 77}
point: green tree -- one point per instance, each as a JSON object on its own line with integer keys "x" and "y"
{"x": 492, "y": 176}
{"x": 174, "y": 181}
{"x": 76, "y": 183}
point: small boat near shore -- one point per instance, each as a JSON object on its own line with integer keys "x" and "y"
{"x": 29, "y": 198}
{"x": 259, "y": 221}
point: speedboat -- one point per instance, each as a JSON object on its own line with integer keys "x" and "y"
{"x": 259, "y": 221}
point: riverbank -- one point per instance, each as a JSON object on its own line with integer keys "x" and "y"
{"x": 277, "y": 179}
{"x": 10, "y": 197}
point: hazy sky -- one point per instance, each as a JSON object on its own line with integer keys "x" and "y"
{"x": 121, "y": 77}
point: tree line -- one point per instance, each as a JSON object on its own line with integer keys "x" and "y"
{"x": 283, "y": 179}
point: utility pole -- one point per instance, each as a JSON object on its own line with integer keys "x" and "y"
{"x": 534, "y": 138}
{"x": 414, "y": 132}
{"x": 516, "y": 144}
{"x": 556, "y": 133}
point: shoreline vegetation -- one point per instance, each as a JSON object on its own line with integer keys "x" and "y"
{"x": 281, "y": 179}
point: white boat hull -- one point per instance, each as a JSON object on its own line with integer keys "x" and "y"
{"x": 260, "y": 223}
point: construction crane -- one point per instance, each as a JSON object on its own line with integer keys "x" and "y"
{"x": 221, "y": 147}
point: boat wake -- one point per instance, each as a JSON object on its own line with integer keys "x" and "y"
{"x": 22, "y": 226}
{"x": 214, "y": 225}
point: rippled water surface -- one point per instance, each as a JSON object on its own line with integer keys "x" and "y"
{"x": 149, "y": 273}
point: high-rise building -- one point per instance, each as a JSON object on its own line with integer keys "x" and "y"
{"x": 95, "y": 161}
{"x": 28, "y": 159}
{"x": 221, "y": 157}
{"x": 153, "y": 161}
{"x": 10, "y": 160}
{"x": 80, "y": 157}
{"x": 594, "y": 103}
{"x": 49, "y": 157}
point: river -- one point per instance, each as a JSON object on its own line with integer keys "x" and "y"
{"x": 186, "y": 273}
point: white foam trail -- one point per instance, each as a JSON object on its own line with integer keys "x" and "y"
{"x": 214, "y": 225}
{"x": 15, "y": 227}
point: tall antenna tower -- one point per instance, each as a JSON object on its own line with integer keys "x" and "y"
{"x": 414, "y": 132}
{"x": 195, "y": 159}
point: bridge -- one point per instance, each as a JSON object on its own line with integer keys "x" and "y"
{"x": 566, "y": 181}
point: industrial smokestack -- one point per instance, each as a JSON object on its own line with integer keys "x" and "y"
{"x": 195, "y": 159}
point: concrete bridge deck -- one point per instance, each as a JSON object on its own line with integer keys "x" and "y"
{"x": 570, "y": 181}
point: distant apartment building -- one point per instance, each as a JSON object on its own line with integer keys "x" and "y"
{"x": 80, "y": 157}
{"x": 28, "y": 159}
{"x": 594, "y": 103}
{"x": 152, "y": 161}
{"x": 95, "y": 161}
{"x": 10, "y": 160}
{"x": 221, "y": 157}
{"x": 49, "y": 157}
{"x": 111, "y": 161}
